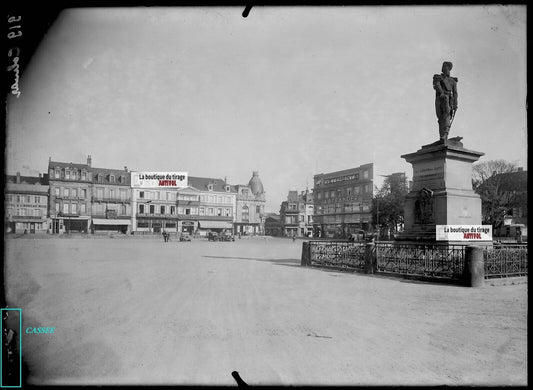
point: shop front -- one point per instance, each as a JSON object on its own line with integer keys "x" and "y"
{"x": 214, "y": 226}
{"x": 110, "y": 225}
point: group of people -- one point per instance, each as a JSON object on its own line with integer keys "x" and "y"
{"x": 166, "y": 236}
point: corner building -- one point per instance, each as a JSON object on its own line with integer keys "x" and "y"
{"x": 250, "y": 211}
{"x": 343, "y": 201}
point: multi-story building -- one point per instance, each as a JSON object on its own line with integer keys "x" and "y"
{"x": 343, "y": 201}
{"x": 250, "y": 212}
{"x": 215, "y": 210}
{"x": 296, "y": 214}
{"x": 110, "y": 200}
{"x": 26, "y": 204}
{"x": 154, "y": 209}
{"x": 69, "y": 205}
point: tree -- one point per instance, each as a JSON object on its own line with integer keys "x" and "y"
{"x": 388, "y": 204}
{"x": 501, "y": 188}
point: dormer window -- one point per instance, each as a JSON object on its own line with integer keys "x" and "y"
{"x": 83, "y": 175}
{"x": 67, "y": 174}
{"x": 227, "y": 188}
{"x": 111, "y": 178}
{"x": 210, "y": 187}
{"x": 58, "y": 173}
{"x": 100, "y": 177}
{"x": 122, "y": 179}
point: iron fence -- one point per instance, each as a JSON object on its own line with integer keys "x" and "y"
{"x": 424, "y": 260}
{"x": 337, "y": 254}
{"x": 505, "y": 260}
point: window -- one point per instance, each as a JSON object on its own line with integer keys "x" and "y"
{"x": 58, "y": 173}
{"x": 100, "y": 177}
{"x": 219, "y": 212}
{"x": 168, "y": 195}
{"x": 173, "y": 210}
{"x": 142, "y": 224}
{"x": 365, "y": 174}
{"x": 75, "y": 192}
{"x": 152, "y": 209}
{"x": 187, "y": 211}
{"x": 112, "y": 194}
{"x": 141, "y": 194}
{"x": 201, "y": 211}
{"x": 65, "y": 192}
{"x": 211, "y": 211}
{"x": 158, "y": 194}
{"x": 326, "y": 194}
{"x": 219, "y": 199}
{"x": 122, "y": 209}
{"x": 258, "y": 209}
{"x": 83, "y": 175}
{"x": 356, "y": 190}
{"x": 227, "y": 212}
{"x": 67, "y": 175}
{"x": 123, "y": 194}
{"x": 111, "y": 178}
{"x": 73, "y": 208}
{"x": 162, "y": 209}
{"x": 227, "y": 188}
{"x": 99, "y": 193}
{"x": 84, "y": 193}
{"x": 56, "y": 191}
{"x": 65, "y": 208}
{"x": 141, "y": 209}
{"x": 83, "y": 208}
{"x": 123, "y": 179}
{"x": 210, "y": 187}
{"x": 37, "y": 199}
{"x": 28, "y": 199}
{"x": 22, "y": 212}
{"x": 210, "y": 199}
{"x": 57, "y": 208}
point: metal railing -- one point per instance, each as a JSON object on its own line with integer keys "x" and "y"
{"x": 423, "y": 260}
{"x": 505, "y": 260}
{"x": 338, "y": 254}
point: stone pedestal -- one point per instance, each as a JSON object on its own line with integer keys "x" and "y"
{"x": 442, "y": 191}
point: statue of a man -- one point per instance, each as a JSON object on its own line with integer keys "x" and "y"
{"x": 445, "y": 99}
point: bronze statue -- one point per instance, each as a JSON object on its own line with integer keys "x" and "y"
{"x": 445, "y": 99}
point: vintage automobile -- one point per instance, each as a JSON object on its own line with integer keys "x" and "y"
{"x": 226, "y": 236}
{"x": 212, "y": 236}
{"x": 185, "y": 236}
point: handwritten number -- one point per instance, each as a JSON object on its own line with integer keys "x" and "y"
{"x": 14, "y": 19}
{"x": 14, "y": 34}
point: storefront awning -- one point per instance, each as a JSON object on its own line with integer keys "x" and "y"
{"x": 111, "y": 221}
{"x": 215, "y": 225}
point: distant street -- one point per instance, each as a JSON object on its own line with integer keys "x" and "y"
{"x": 141, "y": 311}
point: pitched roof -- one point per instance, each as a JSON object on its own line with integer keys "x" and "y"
{"x": 201, "y": 183}
{"x": 27, "y": 179}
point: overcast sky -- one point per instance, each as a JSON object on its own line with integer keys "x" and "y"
{"x": 288, "y": 91}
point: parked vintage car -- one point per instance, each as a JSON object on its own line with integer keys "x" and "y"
{"x": 212, "y": 236}
{"x": 226, "y": 236}
{"x": 185, "y": 236}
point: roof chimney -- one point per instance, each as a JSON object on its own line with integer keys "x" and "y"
{"x": 125, "y": 168}
{"x": 18, "y": 177}
{"x": 89, "y": 160}
{"x": 40, "y": 175}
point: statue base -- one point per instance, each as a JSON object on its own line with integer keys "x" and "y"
{"x": 442, "y": 191}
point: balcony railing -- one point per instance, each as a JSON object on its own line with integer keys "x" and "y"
{"x": 110, "y": 199}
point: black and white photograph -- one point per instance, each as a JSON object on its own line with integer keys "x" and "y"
{"x": 267, "y": 195}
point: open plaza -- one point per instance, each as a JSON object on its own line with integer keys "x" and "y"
{"x": 143, "y": 311}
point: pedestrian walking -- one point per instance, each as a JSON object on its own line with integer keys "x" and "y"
{"x": 164, "y": 236}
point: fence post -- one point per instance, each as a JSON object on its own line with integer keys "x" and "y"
{"x": 306, "y": 254}
{"x": 369, "y": 258}
{"x": 474, "y": 271}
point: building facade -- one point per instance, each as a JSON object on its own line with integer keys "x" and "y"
{"x": 69, "y": 204}
{"x": 26, "y": 204}
{"x": 296, "y": 215}
{"x": 217, "y": 202}
{"x": 154, "y": 209}
{"x": 343, "y": 201}
{"x": 250, "y": 211}
{"x": 111, "y": 209}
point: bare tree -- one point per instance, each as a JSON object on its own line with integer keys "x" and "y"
{"x": 499, "y": 189}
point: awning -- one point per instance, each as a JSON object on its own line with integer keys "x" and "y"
{"x": 215, "y": 225}
{"x": 111, "y": 221}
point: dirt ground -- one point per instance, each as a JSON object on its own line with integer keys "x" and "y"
{"x": 141, "y": 311}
